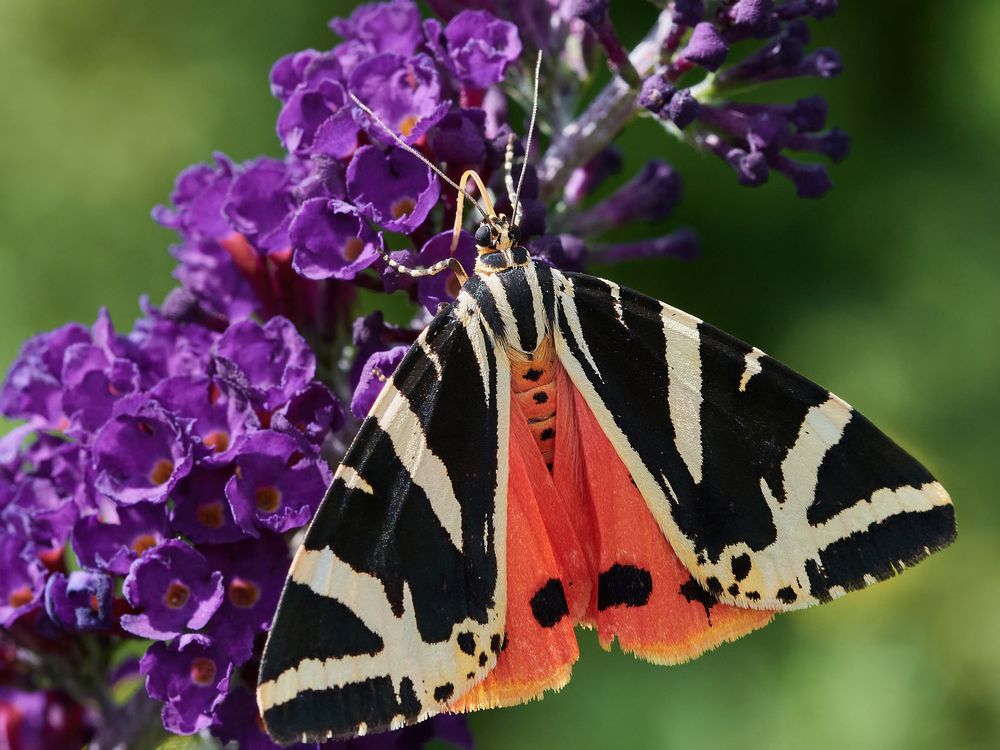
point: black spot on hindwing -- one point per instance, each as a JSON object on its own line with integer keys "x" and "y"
{"x": 740, "y": 566}
{"x": 443, "y": 692}
{"x": 549, "y": 605}
{"x": 693, "y": 592}
{"x": 623, "y": 585}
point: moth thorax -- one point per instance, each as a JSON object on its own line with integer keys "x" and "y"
{"x": 533, "y": 385}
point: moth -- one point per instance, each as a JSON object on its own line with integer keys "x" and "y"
{"x": 555, "y": 450}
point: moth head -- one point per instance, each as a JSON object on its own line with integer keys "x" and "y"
{"x": 495, "y": 233}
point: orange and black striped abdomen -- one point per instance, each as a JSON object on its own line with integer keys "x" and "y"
{"x": 533, "y": 386}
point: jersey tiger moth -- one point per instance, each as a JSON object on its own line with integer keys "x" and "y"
{"x": 555, "y": 450}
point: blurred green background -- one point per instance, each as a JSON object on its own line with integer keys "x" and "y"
{"x": 887, "y": 291}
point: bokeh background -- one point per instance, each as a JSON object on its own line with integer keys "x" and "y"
{"x": 887, "y": 291}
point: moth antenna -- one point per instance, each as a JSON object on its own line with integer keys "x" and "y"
{"x": 438, "y": 267}
{"x": 527, "y": 142}
{"x": 508, "y": 168}
{"x": 404, "y": 145}
{"x": 485, "y": 197}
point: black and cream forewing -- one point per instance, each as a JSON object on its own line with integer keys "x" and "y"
{"x": 774, "y": 492}
{"x": 393, "y": 599}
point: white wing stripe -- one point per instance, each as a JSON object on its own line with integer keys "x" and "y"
{"x": 683, "y": 357}
{"x": 396, "y": 417}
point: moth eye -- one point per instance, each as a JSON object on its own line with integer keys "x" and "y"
{"x": 483, "y": 235}
{"x": 513, "y": 234}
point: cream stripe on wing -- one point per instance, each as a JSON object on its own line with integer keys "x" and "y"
{"x": 536, "y": 300}
{"x": 573, "y": 318}
{"x": 683, "y": 355}
{"x": 396, "y": 417}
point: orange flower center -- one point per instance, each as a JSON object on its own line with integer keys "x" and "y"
{"x": 353, "y": 248}
{"x": 243, "y": 593}
{"x": 142, "y": 543}
{"x": 406, "y": 125}
{"x": 202, "y": 671}
{"x": 161, "y": 472}
{"x": 20, "y": 597}
{"x": 402, "y": 207}
{"x": 177, "y": 595}
{"x": 268, "y": 498}
{"x": 218, "y": 440}
{"x": 211, "y": 514}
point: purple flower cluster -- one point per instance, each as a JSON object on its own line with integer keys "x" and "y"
{"x": 153, "y": 491}
{"x": 689, "y": 92}
{"x": 170, "y": 459}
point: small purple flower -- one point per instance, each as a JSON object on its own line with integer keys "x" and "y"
{"x": 22, "y": 578}
{"x": 477, "y": 47}
{"x": 383, "y": 27}
{"x": 404, "y": 92}
{"x": 444, "y": 286}
{"x": 207, "y": 271}
{"x": 260, "y": 204}
{"x": 174, "y": 588}
{"x": 201, "y": 511}
{"x": 170, "y": 347}
{"x": 754, "y": 17}
{"x": 41, "y": 510}
{"x": 651, "y": 195}
{"x": 141, "y": 453}
{"x": 586, "y": 179}
{"x": 92, "y": 383}
{"x": 80, "y": 601}
{"x": 191, "y": 675}
{"x": 331, "y": 240}
{"x": 33, "y": 385}
{"x": 317, "y": 119}
{"x": 371, "y": 334}
{"x": 199, "y": 195}
{"x": 460, "y": 138}
{"x": 271, "y": 362}
{"x": 313, "y": 412}
{"x": 376, "y": 370}
{"x": 277, "y": 486}
{"x": 392, "y": 188}
{"x": 688, "y": 12}
{"x": 238, "y": 720}
{"x": 112, "y": 543}
{"x": 705, "y": 47}
{"x": 290, "y": 71}
{"x": 253, "y": 572}
{"x": 218, "y": 413}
